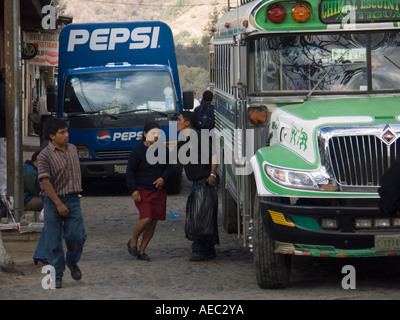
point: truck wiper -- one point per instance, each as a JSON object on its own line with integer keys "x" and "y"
{"x": 159, "y": 112}
{"x": 86, "y": 113}
{"x": 144, "y": 110}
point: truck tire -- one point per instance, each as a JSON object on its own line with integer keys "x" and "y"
{"x": 272, "y": 269}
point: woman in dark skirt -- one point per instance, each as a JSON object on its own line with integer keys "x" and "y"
{"x": 146, "y": 183}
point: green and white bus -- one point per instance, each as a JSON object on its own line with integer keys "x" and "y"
{"x": 307, "y": 97}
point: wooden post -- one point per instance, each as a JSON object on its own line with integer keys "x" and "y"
{"x": 15, "y": 186}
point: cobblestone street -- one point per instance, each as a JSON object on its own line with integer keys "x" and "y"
{"x": 110, "y": 273}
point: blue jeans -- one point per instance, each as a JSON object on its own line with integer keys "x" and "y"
{"x": 57, "y": 227}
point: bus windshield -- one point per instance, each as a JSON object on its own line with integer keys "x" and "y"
{"x": 325, "y": 63}
{"x": 119, "y": 92}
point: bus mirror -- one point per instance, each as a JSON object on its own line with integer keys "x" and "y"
{"x": 188, "y": 99}
{"x": 51, "y": 101}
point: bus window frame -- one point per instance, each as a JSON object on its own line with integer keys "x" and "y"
{"x": 369, "y": 51}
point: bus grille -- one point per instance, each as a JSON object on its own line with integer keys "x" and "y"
{"x": 113, "y": 153}
{"x": 360, "y": 161}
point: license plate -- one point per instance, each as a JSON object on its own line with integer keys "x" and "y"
{"x": 120, "y": 168}
{"x": 385, "y": 243}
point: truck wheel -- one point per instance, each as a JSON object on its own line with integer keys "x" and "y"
{"x": 272, "y": 269}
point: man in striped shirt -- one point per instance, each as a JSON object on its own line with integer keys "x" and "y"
{"x": 60, "y": 177}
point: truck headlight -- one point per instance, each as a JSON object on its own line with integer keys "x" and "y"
{"x": 297, "y": 179}
{"x": 83, "y": 152}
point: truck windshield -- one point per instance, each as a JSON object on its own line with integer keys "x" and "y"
{"x": 119, "y": 92}
{"x": 325, "y": 63}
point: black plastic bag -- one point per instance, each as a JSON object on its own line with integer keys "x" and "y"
{"x": 202, "y": 214}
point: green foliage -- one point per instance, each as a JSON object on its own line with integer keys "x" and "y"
{"x": 193, "y": 78}
{"x": 192, "y": 57}
{"x": 175, "y": 9}
{"x": 60, "y": 6}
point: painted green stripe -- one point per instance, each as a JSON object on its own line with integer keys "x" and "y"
{"x": 306, "y": 223}
{"x": 386, "y": 108}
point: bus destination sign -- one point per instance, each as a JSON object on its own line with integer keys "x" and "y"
{"x": 359, "y": 11}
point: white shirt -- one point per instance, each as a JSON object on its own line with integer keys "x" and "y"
{"x": 42, "y": 106}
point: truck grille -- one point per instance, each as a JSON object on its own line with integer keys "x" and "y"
{"x": 113, "y": 153}
{"x": 360, "y": 161}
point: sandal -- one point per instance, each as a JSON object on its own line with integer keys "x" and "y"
{"x": 132, "y": 250}
{"x": 143, "y": 256}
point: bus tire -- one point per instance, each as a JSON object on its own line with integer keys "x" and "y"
{"x": 272, "y": 269}
{"x": 229, "y": 211}
{"x": 229, "y": 207}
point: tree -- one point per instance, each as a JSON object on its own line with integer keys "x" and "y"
{"x": 6, "y": 263}
{"x": 193, "y": 78}
{"x": 60, "y": 6}
{"x": 193, "y": 60}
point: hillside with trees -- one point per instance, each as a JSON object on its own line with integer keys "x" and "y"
{"x": 190, "y": 21}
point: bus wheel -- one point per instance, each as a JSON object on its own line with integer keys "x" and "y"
{"x": 229, "y": 208}
{"x": 272, "y": 269}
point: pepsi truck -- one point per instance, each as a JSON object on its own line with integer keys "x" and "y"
{"x": 113, "y": 78}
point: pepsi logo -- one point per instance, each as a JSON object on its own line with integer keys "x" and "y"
{"x": 104, "y": 137}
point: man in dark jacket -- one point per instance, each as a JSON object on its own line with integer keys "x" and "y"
{"x": 205, "y": 112}
{"x": 32, "y": 200}
{"x": 203, "y": 175}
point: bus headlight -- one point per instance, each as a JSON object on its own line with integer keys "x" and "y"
{"x": 297, "y": 179}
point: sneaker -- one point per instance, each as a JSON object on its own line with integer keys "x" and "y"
{"x": 197, "y": 257}
{"x": 201, "y": 257}
{"x": 76, "y": 273}
{"x": 58, "y": 283}
{"x": 211, "y": 256}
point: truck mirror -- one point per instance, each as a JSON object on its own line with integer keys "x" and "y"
{"x": 52, "y": 101}
{"x": 188, "y": 99}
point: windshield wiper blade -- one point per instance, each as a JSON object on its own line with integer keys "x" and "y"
{"x": 394, "y": 63}
{"x": 324, "y": 76}
{"x": 159, "y": 112}
{"x": 144, "y": 110}
{"x": 86, "y": 113}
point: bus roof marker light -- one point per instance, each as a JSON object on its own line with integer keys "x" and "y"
{"x": 301, "y": 13}
{"x": 276, "y": 14}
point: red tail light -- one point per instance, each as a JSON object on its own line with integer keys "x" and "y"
{"x": 276, "y": 14}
